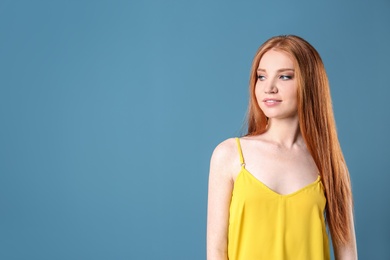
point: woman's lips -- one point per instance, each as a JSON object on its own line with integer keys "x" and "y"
{"x": 271, "y": 101}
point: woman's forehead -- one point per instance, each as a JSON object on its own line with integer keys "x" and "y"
{"x": 276, "y": 59}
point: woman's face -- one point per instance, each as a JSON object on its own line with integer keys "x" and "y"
{"x": 276, "y": 86}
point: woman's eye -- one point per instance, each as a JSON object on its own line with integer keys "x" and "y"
{"x": 261, "y": 77}
{"x": 285, "y": 77}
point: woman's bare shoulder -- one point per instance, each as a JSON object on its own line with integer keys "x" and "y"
{"x": 225, "y": 158}
{"x": 225, "y": 150}
{"x": 253, "y": 140}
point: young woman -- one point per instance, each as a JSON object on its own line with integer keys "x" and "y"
{"x": 272, "y": 192}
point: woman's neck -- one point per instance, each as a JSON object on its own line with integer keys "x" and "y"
{"x": 284, "y": 132}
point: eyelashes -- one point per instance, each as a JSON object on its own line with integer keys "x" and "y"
{"x": 282, "y": 77}
{"x": 285, "y": 77}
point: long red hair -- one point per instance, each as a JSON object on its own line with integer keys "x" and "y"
{"x": 317, "y": 126}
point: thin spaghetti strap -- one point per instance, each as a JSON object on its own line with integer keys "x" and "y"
{"x": 240, "y": 152}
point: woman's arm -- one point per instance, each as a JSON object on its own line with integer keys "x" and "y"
{"x": 219, "y": 196}
{"x": 348, "y": 251}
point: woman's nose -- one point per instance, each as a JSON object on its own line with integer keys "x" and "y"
{"x": 270, "y": 88}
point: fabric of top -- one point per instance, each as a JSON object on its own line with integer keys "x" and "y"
{"x": 266, "y": 225}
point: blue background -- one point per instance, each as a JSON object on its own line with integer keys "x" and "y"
{"x": 110, "y": 111}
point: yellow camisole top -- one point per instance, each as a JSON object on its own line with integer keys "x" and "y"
{"x": 266, "y": 225}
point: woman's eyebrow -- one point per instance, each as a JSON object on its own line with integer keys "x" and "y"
{"x": 279, "y": 70}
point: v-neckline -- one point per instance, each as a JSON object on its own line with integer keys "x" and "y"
{"x": 276, "y": 193}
